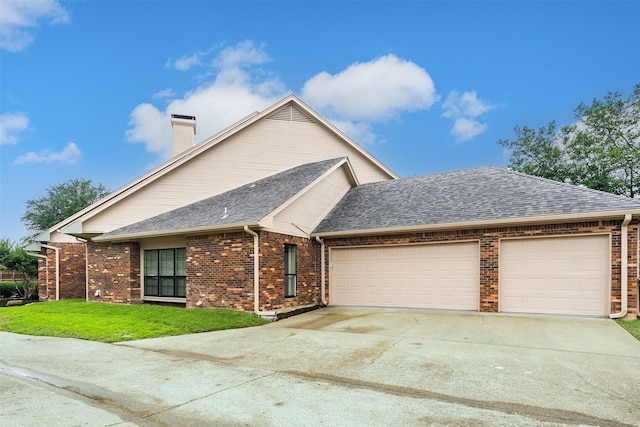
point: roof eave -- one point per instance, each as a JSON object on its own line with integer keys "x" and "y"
{"x": 619, "y": 214}
{"x": 175, "y": 232}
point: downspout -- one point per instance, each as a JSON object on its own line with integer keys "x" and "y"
{"x": 46, "y": 268}
{"x": 322, "y": 277}
{"x": 256, "y": 276}
{"x": 624, "y": 268}
{"x": 57, "y": 268}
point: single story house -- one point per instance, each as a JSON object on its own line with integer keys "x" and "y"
{"x": 282, "y": 212}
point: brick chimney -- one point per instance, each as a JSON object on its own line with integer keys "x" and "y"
{"x": 184, "y": 129}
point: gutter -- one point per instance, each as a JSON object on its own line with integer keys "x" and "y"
{"x": 256, "y": 276}
{"x": 624, "y": 268}
{"x": 322, "y": 276}
{"x": 57, "y": 268}
{"x": 46, "y": 268}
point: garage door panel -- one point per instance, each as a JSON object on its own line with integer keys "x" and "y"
{"x": 556, "y": 275}
{"x": 422, "y": 276}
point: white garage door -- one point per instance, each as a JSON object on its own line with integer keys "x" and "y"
{"x": 559, "y": 275}
{"x": 442, "y": 276}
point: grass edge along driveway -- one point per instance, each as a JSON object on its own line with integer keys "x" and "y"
{"x": 114, "y": 322}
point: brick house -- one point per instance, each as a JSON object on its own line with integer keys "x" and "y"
{"x": 282, "y": 212}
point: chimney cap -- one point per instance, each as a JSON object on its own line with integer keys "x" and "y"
{"x": 182, "y": 116}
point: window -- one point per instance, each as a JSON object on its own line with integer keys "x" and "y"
{"x": 290, "y": 270}
{"x": 165, "y": 272}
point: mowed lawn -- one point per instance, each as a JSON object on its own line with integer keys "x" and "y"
{"x": 113, "y": 322}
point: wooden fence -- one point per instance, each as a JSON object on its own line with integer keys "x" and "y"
{"x": 10, "y": 276}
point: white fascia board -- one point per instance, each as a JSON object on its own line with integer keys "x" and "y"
{"x": 549, "y": 219}
{"x": 180, "y": 231}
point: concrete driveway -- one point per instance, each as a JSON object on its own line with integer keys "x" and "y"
{"x": 335, "y": 366}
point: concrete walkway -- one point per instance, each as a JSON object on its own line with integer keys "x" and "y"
{"x": 335, "y": 366}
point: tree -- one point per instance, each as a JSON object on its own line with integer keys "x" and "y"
{"x": 601, "y": 150}
{"x": 16, "y": 259}
{"x": 60, "y": 202}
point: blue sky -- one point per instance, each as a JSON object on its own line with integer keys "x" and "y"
{"x": 86, "y": 87}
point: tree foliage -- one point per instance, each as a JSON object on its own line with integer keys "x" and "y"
{"x": 60, "y": 202}
{"x": 16, "y": 259}
{"x": 600, "y": 151}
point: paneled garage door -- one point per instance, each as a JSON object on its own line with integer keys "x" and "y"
{"x": 442, "y": 276}
{"x": 559, "y": 275}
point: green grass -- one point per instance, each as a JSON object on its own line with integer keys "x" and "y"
{"x": 112, "y": 322}
{"x": 632, "y": 326}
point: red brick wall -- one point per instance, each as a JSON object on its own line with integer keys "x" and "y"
{"x": 114, "y": 270}
{"x": 72, "y": 271}
{"x": 220, "y": 271}
{"x": 489, "y": 239}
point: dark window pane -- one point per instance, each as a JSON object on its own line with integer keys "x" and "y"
{"x": 151, "y": 286}
{"x": 181, "y": 287}
{"x": 166, "y": 286}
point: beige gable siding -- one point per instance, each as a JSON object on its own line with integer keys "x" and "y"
{"x": 57, "y": 237}
{"x": 309, "y": 209}
{"x": 263, "y": 149}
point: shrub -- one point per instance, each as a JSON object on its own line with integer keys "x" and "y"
{"x": 7, "y": 289}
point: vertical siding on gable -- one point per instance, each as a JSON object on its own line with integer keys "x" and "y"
{"x": 263, "y": 149}
{"x": 309, "y": 209}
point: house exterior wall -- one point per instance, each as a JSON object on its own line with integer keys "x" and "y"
{"x": 489, "y": 239}
{"x": 220, "y": 271}
{"x": 114, "y": 270}
{"x": 72, "y": 272}
{"x": 263, "y": 149}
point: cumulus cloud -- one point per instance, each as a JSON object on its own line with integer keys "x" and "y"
{"x": 70, "y": 154}
{"x": 187, "y": 62}
{"x": 19, "y": 17}
{"x": 465, "y": 108}
{"x": 12, "y": 124}
{"x": 164, "y": 93}
{"x": 372, "y": 91}
{"x": 232, "y": 93}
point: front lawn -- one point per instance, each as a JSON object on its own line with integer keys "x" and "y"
{"x": 112, "y": 322}
{"x": 632, "y": 326}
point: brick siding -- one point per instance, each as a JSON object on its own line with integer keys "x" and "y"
{"x": 114, "y": 270}
{"x": 72, "y": 271}
{"x": 220, "y": 271}
{"x": 489, "y": 239}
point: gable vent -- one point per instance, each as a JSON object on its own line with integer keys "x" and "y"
{"x": 290, "y": 113}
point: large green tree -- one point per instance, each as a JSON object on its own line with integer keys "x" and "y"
{"x": 60, "y": 202}
{"x": 600, "y": 151}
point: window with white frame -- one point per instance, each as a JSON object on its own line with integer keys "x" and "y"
{"x": 165, "y": 272}
{"x": 290, "y": 270}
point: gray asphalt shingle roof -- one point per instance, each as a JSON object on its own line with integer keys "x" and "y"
{"x": 246, "y": 204}
{"x": 485, "y": 193}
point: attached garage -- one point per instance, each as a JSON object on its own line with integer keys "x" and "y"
{"x": 555, "y": 275}
{"x": 439, "y": 276}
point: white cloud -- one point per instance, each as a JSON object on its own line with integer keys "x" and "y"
{"x": 187, "y": 62}
{"x": 358, "y": 131}
{"x": 11, "y": 124}
{"x": 465, "y": 109}
{"x": 18, "y": 17}
{"x": 465, "y": 129}
{"x": 70, "y": 155}
{"x": 465, "y": 105}
{"x": 372, "y": 91}
{"x": 164, "y": 93}
{"x": 231, "y": 95}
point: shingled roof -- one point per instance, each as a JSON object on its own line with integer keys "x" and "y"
{"x": 244, "y": 205}
{"x": 466, "y": 196}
